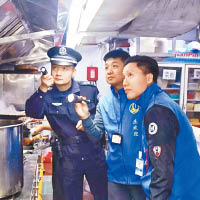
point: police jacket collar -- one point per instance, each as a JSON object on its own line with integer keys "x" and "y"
{"x": 73, "y": 89}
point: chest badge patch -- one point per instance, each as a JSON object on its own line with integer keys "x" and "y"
{"x": 157, "y": 151}
{"x": 56, "y": 104}
{"x": 134, "y": 108}
{"x": 153, "y": 128}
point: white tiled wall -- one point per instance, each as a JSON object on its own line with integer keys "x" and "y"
{"x": 92, "y": 56}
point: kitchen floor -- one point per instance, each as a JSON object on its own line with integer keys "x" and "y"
{"x": 47, "y": 190}
{"x": 30, "y": 163}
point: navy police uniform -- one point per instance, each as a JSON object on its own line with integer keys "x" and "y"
{"x": 74, "y": 155}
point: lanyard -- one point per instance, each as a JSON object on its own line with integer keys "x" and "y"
{"x": 119, "y": 122}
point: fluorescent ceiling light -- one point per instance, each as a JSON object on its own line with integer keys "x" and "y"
{"x": 79, "y": 19}
{"x": 89, "y": 13}
{"x": 74, "y": 19}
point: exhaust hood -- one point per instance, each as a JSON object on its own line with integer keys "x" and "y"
{"x": 29, "y": 28}
{"x": 137, "y": 18}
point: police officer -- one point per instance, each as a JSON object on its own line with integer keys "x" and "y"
{"x": 170, "y": 150}
{"x": 74, "y": 155}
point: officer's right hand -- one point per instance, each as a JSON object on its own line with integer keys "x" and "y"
{"x": 82, "y": 110}
{"x": 46, "y": 82}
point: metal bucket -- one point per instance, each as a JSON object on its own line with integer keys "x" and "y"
{"x": 11, "y": 157}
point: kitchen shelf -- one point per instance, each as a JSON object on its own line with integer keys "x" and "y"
{"x": 193, "y": 100}
{"x": 193, "y": 89}
{"x": 177, "y": 80}
{"x": 193, "y": 111}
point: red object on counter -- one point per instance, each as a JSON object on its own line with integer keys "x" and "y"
{"x": 48, "y": 157}
{"x": 47, "y": 160}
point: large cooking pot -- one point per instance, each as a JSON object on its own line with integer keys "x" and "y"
{"x": 11, "y": 157}
{"x": 12, "y": 116}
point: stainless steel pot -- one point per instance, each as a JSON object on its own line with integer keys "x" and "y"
{"x": 11, "y": 157}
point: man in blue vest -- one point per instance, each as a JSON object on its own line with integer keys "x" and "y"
{"x": 74, "y": 154}
{"x": 114, "y": 115}
{"x": 170, "y": 160}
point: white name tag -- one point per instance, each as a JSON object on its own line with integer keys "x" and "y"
{"x": 116, "y": 139}
{"x": 56, "y": 104}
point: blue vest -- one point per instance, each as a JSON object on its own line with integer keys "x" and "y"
{"x": 121, "y": 115}
{"x": 186, "y": 178}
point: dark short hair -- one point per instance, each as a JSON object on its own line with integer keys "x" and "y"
{"x": 147, "y": 65}
{"x": 118, "y": 53}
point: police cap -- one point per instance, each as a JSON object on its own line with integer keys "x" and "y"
{"x": 61, "y": 55}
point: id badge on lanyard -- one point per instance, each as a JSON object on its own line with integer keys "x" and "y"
{"x": 116, "y": 138}
{"x": 139, "y": 165}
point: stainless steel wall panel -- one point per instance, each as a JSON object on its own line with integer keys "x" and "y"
{"x": 17, "y": 88}
{"x": 1, "y": 86}
{"x": 37, "y": 81}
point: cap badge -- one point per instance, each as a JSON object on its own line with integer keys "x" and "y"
{"x": 62, "y": 51}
